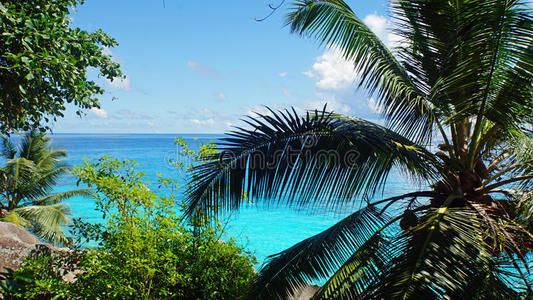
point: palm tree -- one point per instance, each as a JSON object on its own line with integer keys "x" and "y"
{"x": 461, "y": 78}
{"x": 27, "y": 178}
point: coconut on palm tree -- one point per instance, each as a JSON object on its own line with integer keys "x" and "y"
{"x": 27, "y": 179}
{"x": 460, "y": 79}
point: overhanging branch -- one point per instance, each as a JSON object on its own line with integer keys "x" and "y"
{"x": 273, "y": 10}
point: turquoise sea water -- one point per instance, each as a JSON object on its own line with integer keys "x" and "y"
{"x": 263, "y": 231}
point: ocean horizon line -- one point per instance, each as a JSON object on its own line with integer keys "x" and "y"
{"x": 127, "y": 133}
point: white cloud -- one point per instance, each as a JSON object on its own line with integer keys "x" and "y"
{"x": 107, "y": 51}
{"x": 374, "y": 105}
{"x": 382, "y": 27}
{"x": 202, "y": 122}
{"x": 332, "y": 71}
{"x": 202, "y": 69}
{"x": 309, "y": 74}
{"x": 378, "y": 24}
{"x": 228, "y": 124}
{"x": 114, "y": 57}
{"x": 123, "y": 84}
{"x": 132, "y": 115}
{"x": 283, "y": 74}
{"x": 333, "y": 104}
{"x": 256, "y": 110}
{"x": 220, "y": 96}
{"x": 99, "y": 112}
{"x": 335, "y": 77}
{"x": 203, "y": 110}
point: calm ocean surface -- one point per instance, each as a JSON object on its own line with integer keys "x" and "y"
{"x": 263, "y": 231}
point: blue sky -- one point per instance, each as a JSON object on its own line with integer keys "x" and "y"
{"x": 200, "y": 66}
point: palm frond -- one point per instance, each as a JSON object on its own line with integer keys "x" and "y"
{"x": 493, "y": 43}
{"x": 13, "y": 217}
{"x": 28, "y": 178}
{"x": 358, "y": 272}
{"x": 304, "y": 161}
{"x": 9, "y": 150}
{"x": 32, "y": 144}
{"x": 59, "y": 197}
{"x": 318, "y": 256}
{"x": 19, "y": 172}
{"x": 444, "y": 256}
{"x": 508, "y": 105}
{"x": 495, "y": 283}
{"x": 44, "y": 181}
{"x": 428, "y": 32}
{"x": 333, "y": 23}
{"x": 28, "y": 182}
{"x": 51, "y": 158}
{"x": 46, "y": 220}
{"x": 521, "y": 157}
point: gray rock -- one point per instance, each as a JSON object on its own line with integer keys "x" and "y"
{"x": 15, "y": 245}
{"x": 305, "y": 292}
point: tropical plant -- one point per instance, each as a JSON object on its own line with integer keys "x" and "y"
{"x": 460, "y": 78}
{"x": 44, "y": 62}
{"x": 30, "y": 172}
{"x": 140, "y": 250}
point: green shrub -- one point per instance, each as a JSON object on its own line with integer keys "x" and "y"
{"x": 144, "y": 250}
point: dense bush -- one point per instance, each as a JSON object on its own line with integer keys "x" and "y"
{"x": 143, "y": 250}
{"x": 44, "y": 61}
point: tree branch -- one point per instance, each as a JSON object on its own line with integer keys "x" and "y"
{"x": 408, "y": 195}
{"x": 273, "y": 10}
{"x": 504, "y": 182}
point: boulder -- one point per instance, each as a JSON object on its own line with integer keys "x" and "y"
{"x": 305, "y": 292}
{"x": 16, "y": 244}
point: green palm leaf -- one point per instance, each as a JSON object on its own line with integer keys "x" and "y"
{"x": 28, "y": 177}
{"x": 44, "y": 181}
{"x": 46, "y": 220}
{"x": 305, "y": 161}
{"x": 463, "y": 70}
{"x": 18, "y": 173}
{"x": 361, "y": 270}
{"x": 333, "y": 23}
{"x": 59, "y": 197}
{"x": 9, "y": 150}
{"x": 442, "y": 257}
{"x": 13, "y": 217}
{"x": 318, "y": 256}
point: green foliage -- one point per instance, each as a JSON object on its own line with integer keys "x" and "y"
{"x": 27, "y": 179}
{"x": 185, "y": 153}
{"x": 40, "y": 278}
{"x": 461, "y": 74}
{"x": 43, "y": 63}
{"x": 143, "y": 249}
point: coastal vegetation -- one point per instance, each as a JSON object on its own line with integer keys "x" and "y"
{"x": 460, "y": 78}
{"x": 44, "y": 63}
{"x": 141, "y": 250}
{"x": 455, "y": 94}
{"x": 28, "y": 176}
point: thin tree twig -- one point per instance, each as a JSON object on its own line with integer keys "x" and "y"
{"x": 273, "y": 10}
